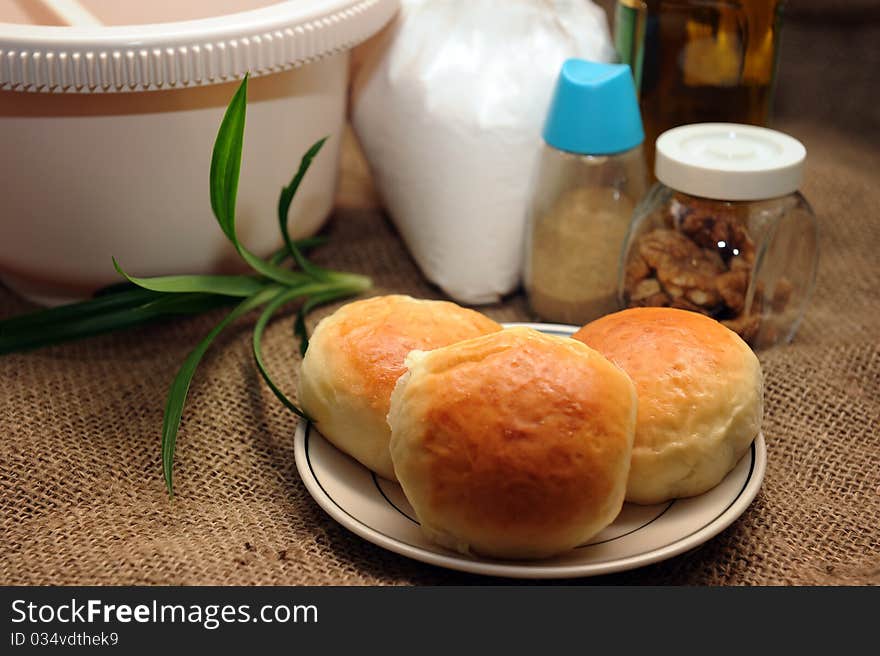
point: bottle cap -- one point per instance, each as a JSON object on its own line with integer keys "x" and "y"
{"x": 729, "y": 161}
{"x": 594, "y": 110}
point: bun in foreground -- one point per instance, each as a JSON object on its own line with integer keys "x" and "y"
{"x": 513, "y": 445}
{"x": 355, "y": 357}
{"x": 700, "y": 397}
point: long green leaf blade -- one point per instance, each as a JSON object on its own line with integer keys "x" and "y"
{"x": 43, "y": 318}
{"x": 274, "y": 305}
{"x": 178, "y": 304}
{"x": 241, "y": 286}
{"x": 225, "y": 170}
{"x": 284, "y": 200}
{"x": 226, "y": 161}
{"x": 299, "y": 325}
{"x": 305, "y": 244}
{"x": 27, "y": 336}
{"x": 273, "y": 271}
{"x": 318, "y": 294}
{"x": 180, "y": 385}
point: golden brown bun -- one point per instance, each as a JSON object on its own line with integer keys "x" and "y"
{"x": 700, "y": 397}
{"x": 356, "y": 356}
{"x": 513, "y": 445}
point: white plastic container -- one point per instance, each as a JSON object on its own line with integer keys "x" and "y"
{"x": 107, "y": 133}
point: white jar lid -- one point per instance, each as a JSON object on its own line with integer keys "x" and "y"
{"x": 729, "y": 161}
{"x": 97, "y": 58}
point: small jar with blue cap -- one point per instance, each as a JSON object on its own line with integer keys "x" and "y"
{"x": 590, "y": 177}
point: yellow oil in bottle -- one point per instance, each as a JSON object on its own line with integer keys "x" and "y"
{"x": 698, "y": 61}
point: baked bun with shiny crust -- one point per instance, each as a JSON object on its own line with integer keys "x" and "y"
{"x": 513, "y": 445}
{"x": 700, "y": 397}
{"x": 355, "y": 357}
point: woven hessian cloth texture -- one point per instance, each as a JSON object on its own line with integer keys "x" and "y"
{"x": 82, "y": 499}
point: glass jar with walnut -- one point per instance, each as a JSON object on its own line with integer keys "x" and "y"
{"x": 751, "y": 264}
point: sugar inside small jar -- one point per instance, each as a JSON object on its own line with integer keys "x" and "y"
{"x": 725, "y": 232}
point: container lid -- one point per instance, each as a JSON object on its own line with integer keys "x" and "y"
{"x": 93, "y": 57}
{"x": 729, "y": 161}
{"x": 594, "y": 110}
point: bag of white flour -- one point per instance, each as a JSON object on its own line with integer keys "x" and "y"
{"x": 449, "y": 103}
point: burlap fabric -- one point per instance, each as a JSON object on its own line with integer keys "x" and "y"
{"x": 83, "y": 501}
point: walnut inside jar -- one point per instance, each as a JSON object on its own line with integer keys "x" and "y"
{"x": 715, "y": 225}
{"x": 700, "y": 258}
{"x": 683, "y": 269}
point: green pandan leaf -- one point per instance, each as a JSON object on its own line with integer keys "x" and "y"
{"x": 226, "y": 161}
{"x": 284, "y": 200}
{"x": 180, "y": 385}
{"x": 242, "y": 286}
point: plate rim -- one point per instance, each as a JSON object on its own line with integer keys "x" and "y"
{"x": 530, "y": 569}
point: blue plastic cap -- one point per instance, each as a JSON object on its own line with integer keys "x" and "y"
{"x": 594, "y": 109}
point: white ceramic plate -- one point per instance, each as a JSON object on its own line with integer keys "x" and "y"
{"x": 378, "y": 511}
